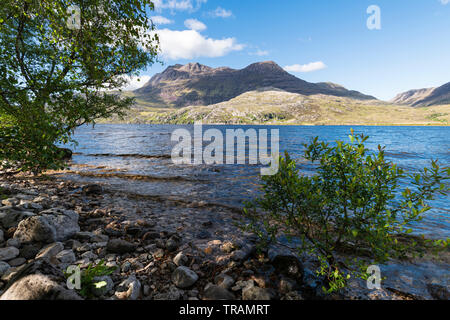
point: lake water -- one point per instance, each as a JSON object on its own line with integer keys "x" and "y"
{"x": 145, "y": 150}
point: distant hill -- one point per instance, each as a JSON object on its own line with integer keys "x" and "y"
{"x": 276, "y": 106}
{"x": 194, "y": 84}
{"x": 425, "y": 97}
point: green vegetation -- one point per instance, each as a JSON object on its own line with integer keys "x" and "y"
{"x": 89, "y": 274}
{"x": 350, "y": 214}
{"x": 436, "y": 116}
{"x": 55, "y": 77}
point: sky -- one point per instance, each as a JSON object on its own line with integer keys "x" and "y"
{"x": 318, "y": 41}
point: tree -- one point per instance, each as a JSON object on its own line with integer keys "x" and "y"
{"x": 351, "y": 213}
{"x": 60, "y": 62}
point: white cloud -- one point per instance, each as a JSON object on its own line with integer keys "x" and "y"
{"x": 135, "y": 82}
{"x": 194, "y": 24}
{"x": 313, "y": 66}
{"x": 444, "y": 2}
{"x": 189, "y": 44}
{"x": 178, "y": 5}
{"x": 161, "y": 20}
{"x": 260, "y": 53}
{"x": 221, "y": 13}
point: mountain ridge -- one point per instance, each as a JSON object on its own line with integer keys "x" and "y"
{"x": 194, "y": 84}
{"x": 424, "y": 97}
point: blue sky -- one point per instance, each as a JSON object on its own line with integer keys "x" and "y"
{"x": 321, "y": 40}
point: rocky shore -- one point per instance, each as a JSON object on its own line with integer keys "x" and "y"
{"x": 160, "y": 249}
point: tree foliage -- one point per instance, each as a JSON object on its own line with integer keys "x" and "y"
{"x": 350, "y": 214}
{"x": 56, "y": 75}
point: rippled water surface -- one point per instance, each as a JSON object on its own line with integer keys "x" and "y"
{"x": 144, "y": 150}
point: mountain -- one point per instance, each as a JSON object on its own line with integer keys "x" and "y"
{"x": 425, "y": 97}
{"x": 194, "y": 84}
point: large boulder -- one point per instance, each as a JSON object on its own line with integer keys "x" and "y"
{"x": 50, "y": 226}
{"x": 35, "y": 229}
{"x": 38, "y": 287}
{"x": 38, "y": 280}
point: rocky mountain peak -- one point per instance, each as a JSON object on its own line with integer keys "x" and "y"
{"x": 194, "y": 68}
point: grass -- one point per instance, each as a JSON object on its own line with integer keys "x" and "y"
{"x": 274, "y": 106}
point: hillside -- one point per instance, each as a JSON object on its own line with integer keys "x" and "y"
{"x": 275, "y": 106}
{"x": 194, "y": 84}
{"x": 424, "y": 97}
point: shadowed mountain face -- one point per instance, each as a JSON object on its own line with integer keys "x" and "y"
{"x": 194, "y": 84}
{"x": 425, "y": 97}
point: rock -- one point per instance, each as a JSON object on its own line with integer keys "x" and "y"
{"x": 83, "y": 235}
{"x": 4, "y": 267}
{"x": 438, "y": 292}
{"x": 228, "y": 247}
{"x": 92, "y": 189}
{"x": 102, "y": 285}
{"x": 180, "y": 259}
{"x": 255, "y": 293}
{"x": 287, "y": 285}
{"x": 38, "y": 287}
{"x": 65, "y": 222}
{"x": 213, "y": 292}
{"x": 224, "y": 281}
{"x": 126, "y": 266}
{"x": 120, "y": 246}
{"x": 66, "y": 257}
{"x": 151, "y": 235}
{"x": 129, "y": 289}
{"x": 133, "y": 230}
{"x": 50, "y": 251}
{"x": 171, "y": 245}
{"x": 293, "y": 295}
{"x": 203, "y": 234}
{"x": 29, "y": 251}
{"x": 286, "y": 263}
{"x": 13, "y": 243}
{"x": 2, "y": 236}
{"x": 184, "y": 277}
{"x": 8, "y": 253}
{"x": 10, "y": 217}
{"x": 35, "y": 229}
{"x": 173, "y": 293}
{"x": 10, "y": 202}
{"x": 158, "y": 254}
{"x": 17, "y": 262}
{"x": 89, "y": 255}
{"x": 65, "y": 154}
{"x": 243, "y": 284}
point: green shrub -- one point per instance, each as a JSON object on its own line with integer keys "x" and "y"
{"x": 350, "y": 214}
{"x": 87, "y": 278}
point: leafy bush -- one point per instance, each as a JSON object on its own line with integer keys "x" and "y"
{"x": 87, "y": 277}
{"x": 350, "y": 214}
{"x": 54, "y": 78}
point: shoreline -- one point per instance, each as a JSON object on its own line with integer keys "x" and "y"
{"x": 160, "y": 246}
